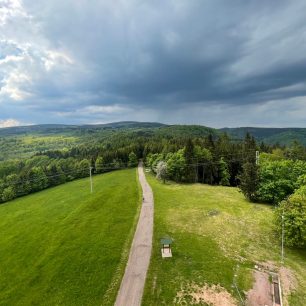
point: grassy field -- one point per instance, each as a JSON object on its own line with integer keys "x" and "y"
{"x": 64, "y": 246}
{"x": 217, "y": 234}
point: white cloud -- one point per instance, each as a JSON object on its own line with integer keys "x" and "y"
{"x": 13, "y": 86}
{"x": 56, "y": 58}
{"x": 10, "y": 9}
{"x": 9, "y": 123}
{"x": 11, "y": 59}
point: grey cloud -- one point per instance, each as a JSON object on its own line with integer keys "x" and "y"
{"x": 156, "y": 56}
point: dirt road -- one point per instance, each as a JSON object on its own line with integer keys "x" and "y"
{"x": 132, "y": 285}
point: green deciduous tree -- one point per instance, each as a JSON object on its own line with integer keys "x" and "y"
{"x": 301, "y": 181}
{"x": 38, "y": 179}
{"x": 99, "y": 165}
{"x": 176, "y": 165}
{"x": 133, "y": 162}
{"x": 8, "y": 194}
{"x": 83, "y": 168}
{"x": 278, "y": 179}
{"x": 294, "y": 212}
{"x": 224, "y": 173}
{"x": 55, "y": 174}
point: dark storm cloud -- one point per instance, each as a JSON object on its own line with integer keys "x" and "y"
{"x": 154, "y": 56}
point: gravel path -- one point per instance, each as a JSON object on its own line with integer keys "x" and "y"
{"x": 132, "y": 285}
{"x": 260, "y": 294}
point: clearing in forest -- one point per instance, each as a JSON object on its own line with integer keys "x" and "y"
{"x": 219, "y": 237}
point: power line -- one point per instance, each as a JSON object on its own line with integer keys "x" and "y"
{"x": 90, "y": 169}
{"x": 113, "y": 166}
{"x": 76, "y": 171}
{"x": 212, "y": 162}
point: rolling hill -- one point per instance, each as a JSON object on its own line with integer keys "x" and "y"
{"x": 284, "y": 136}
{"x": 22, "y": 142}
{"x": 268, "y": 135}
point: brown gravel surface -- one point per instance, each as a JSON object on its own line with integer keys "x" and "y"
{"x": 260, "y": 294}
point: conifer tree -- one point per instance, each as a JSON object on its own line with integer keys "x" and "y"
{"x": 249, "y": 176}
{"x": 190, "y": 161}
{"x": 224, "y": 173}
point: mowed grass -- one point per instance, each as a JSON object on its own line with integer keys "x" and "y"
{"x": 65, "y": 246}
{"x": 217, "y": 234}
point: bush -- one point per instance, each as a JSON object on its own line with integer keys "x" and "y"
{"x": 8, "y": 194}
{"x": 294, "y": 212}
{"x": 279, "y": 179}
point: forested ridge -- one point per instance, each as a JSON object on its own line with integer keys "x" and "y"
{"x": 24, "y": 141}
{"x": 186, "y": 154}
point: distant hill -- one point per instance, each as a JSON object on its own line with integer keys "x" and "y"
{"x": 62, "y": 128}
{"x": 269, "y": 135}
{"x": 283, "y": 136}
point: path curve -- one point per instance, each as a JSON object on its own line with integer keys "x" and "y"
{"x": 133, "y": 281}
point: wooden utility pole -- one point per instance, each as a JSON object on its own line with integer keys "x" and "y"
{"x": 90, "y": 175}
{"x": 283, "y": 234}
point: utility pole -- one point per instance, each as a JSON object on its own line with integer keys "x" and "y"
{"x": 196, "y": 171}
{"x": 257, "y": 157}
{"x": 283, "y": 233}
{"x": 90, "y": 169}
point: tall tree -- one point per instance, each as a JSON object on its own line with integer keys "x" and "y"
{"x": 55, "y": 174}
{"x": 249, "y": 181}
{"x": 38, "y": 179}
{"x": 176, "y": 165}
{"x": 132, "y": 160}
{"x": 83, "y": 168}
{"x": 291, "y": 215}
{"x": 224, "y": 173}
{"x": 296, "y": 151}
{"x": 99, "y": 165}
{"x": 190, "y": 161}
{"x": 2, "y": 187}
{"x": 249, "y": 177}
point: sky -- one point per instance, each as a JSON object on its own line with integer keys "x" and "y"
{"x": 217, "y": 63}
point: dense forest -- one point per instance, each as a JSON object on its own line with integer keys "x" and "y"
{"x": 276, "y": 174}
{"x": 23, "y": 142}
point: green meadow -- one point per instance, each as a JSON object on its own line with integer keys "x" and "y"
{"x": 217, "y": 234}
{"x": 65, "y": 246}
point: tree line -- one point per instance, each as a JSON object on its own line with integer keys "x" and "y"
{"x": 41, "y": 172}
{"x": 277, "y": 176}
{"x": 218, "y": 160}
